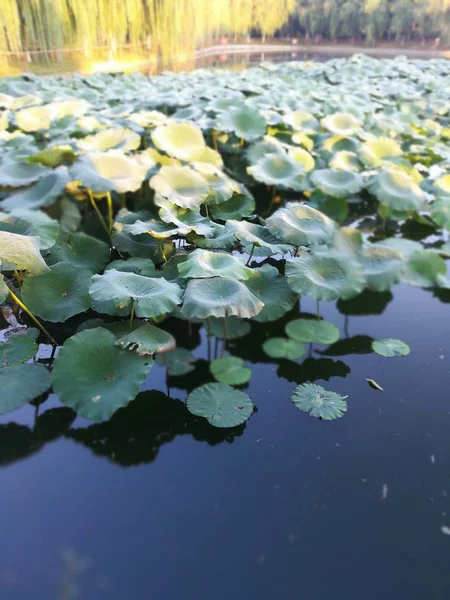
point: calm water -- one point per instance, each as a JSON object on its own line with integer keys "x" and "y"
{"x": 156, "y": 504}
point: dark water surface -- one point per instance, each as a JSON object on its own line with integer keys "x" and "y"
{"x": 156, "y": 504}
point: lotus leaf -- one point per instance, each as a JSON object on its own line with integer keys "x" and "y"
{"x": 397, "y": 190}
{"x": 312, "y": 331}
{"x": 21, "y": 252}
{"x": 94, "y": 377}
{"x": 279, "y": 170}
{"x": 245, "y": 122}
{"x": 139, "y": 266}
{"x": 181, "y": 140}
{"x": 319, "y": 402}
{"x": 221, "y": 187}
{"x": 237, "y": 207}
{"x": 345, "y": 161}
{"x": 45, "y": 192}
{"x": 205, "y": 263}
{"x": 259, "y": 237}
{"x": 341, "y": 124}
{"x": 109, "y": 171}
{"x": 111, "y": 139}
{"x": 443, "y": 184}
{"x": 374, "y": 152}
{"x": 18, "y": 348}
{"x": 337, "y": 183}
{"x": 425, "y": 268}
{"x": 179, "y": 362}
{"x": 273, "y": 290}
{"x": 36, "y": 118}
{"x": 147, "y": 340}
{"x": 21, "y": 383}
{"x": 32, "y": 223}
{"x": 20, "y": 174}
{"x": 390, "y": 348}
{"x": 58, "y": 294}
{"x": 223, "y": 238}
{"x": 220, "y": 404}
{"x": 303, "y": 158}
{"x": 80, "y": 250}
{"x": 118, "y": 293}
{"x": 301, "y": 225}
{"x": 284, "y": 348}
{"x": 440, "y": 212}
{"x": 219, "y": 297}
{"x": 181, "y": 186}
{"x": 230, "y": 370}
{"x": 382, "y": 267}
{"x": 186, "y": 220}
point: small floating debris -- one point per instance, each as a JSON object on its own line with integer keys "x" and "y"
{"x": 384, "y": 491}
{"x": 445, "y": 530}
{"x": 373, "y": 384}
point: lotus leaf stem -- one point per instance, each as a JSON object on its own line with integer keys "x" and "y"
{"x": 97, "y": 210}
{"x": 225, "y": 333}
{"x": 32, "y": 317}
{"x": 110, "y": 211}
{"x": 18, "y": 279}
{"x": 132, "y": 316}
{"x": 251, "y": 254}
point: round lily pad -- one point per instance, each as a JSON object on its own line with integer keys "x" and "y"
{"x": 312, "y": 331}
{"x": 230, "y": 370}
{"x": 94, "y": 377}
{"x": 59, "y": 294}
{"x": 21, "y": 383}
{"x": 319, "y": 402}
{"x": 284, "y": 348}
{"x": 17, "y": 349}
{"x": 147, "y": 340}
{"x": 220, "y": 404}
{"x": 390, "y": 347}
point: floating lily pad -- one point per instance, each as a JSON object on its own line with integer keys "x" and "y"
{"x": 179, "y": 362}
{"x": 219, "y": 297}
{"x": 312, "y": 331}
{"x": 284, "y": 348}
{"x": 319, "y": 402}
{"x": 147, "y": 340}
{"x": 230, "y": 370}
{"x": 21, "y": 383}
{"x": 220, "y": 404}
{"x": 273, "y": 290}
{"x": 390, "y": 347}
{"x": 58, "y": 294}
{"x": 17, "y": 349}
{"x": 94, "y": 377}
{"x": 118, "y": 293}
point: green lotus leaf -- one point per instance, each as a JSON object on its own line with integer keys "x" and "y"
{"x": 443, "y": 184}
{"x": 21, "y": 383}
{"x": 179, "y": 139}
{"x": 80, "y": 250}
{"x": 245, "y": 122}
{"x": 32, "y": 223}
{"x": 147, "y": 340}
{"x": 181, "y": 186}
{"x": 335, "y": 208}
{"x": 301, "y": 225}
{"x": 139, "y": 266}
{"x": 339, "y": 184}
{"x": 341, "y": 124}
{"x": 284, "y": 348}
{"x": 169, "y": 270}
{"x": 404, "y": 246}
{"x": 220, "y": 404}
{"x": 4, "y": 289}
{"x": 45, "y": 192}
{"x": 20, "y": 174}
{"x": 109, "y": 171}
{"x": 345, "y": 161}
{"x": 390, "y": 348}
{"x": 233, "y": 327}
{"x": 273, "y": 290}
{"x": 440, "y": 212}
{"x": 397, "y": 190}
{"x": 148, "y": 118}
{"x": 259, "y": 237}
{"x": 35, "y": 118}
{"x": 94, "y": 377}
{"x": 205, "y": 263}
{"x": 186, "y": 220}
{"x": 279, "y": 170}
{"x": 223, "y": 238}
{"x": 179, "y": 362}
{"x": 221, "y": 187}
{"x": 312, "y": 331}
{"x": 382, "y": 267}
{"x": 21, "y": 252}
{"x": 237, "y": 207}
{"x": 111, "y": 139}
{"x": 375, "y": 152}
{"x": 301, "y": 120}
{"x": 18, "y": 348}
{"x": 319, "y": 402}
{"x": 219, "y": 297}
{"x": 230, "y": 370}
{"x": 58, "y": 294}
{"x": 53, "y": 157}
{"x": 158, "y": 230}
{"x": 425, "y": 268}
{"x": 118, "y": 293}
{"x": 325, "y": 275}
{"x": 142, "y": 246}
{"x": 303, "y": 158}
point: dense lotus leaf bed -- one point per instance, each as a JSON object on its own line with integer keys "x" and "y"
{"x": 136, "y": 212}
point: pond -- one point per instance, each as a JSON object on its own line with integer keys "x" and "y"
{"x": 155, "y": 501}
